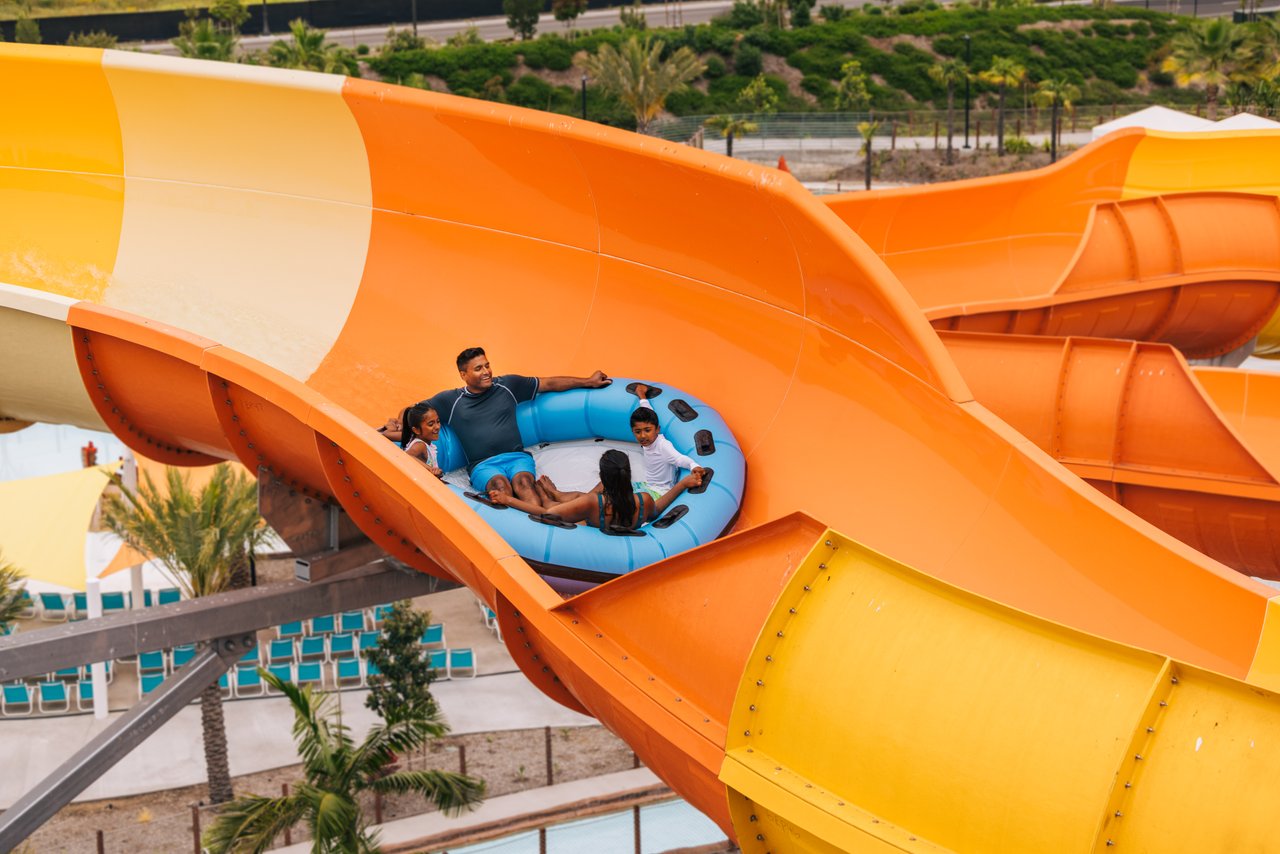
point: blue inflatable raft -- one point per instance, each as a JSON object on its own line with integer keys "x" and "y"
{"x": 585, "y": 553}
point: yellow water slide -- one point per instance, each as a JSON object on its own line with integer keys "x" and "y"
{"x": 923, "y": 633}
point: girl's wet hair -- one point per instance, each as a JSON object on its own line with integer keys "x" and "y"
{"x": 615, "y": 477}
{"x": 410, "y": 418}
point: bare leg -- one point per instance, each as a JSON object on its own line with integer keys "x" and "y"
{"x": 559, "y": 496}
{"x": 523, "y": 485}
{"x": 499, "y": 483}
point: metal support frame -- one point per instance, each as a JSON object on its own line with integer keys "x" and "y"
{"x": 226, "y": 623}
{"x": 193, "y": 620}
{"x": 116, "y": 741}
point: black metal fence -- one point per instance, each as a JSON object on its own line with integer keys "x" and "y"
{"x": 324, "y": 14}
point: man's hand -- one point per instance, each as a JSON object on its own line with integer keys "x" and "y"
{"x": 598, "y": 380}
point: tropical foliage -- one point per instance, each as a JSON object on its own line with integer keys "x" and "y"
{"x": 1003, "y": 73}
{"x": 402, "y": 688}
{"x": 11, "y": 587}
{"x": 308, "y": 49}
{"x": 950, "y": 73}
{"x": 337, "y": 770}
{"x": 200, "y": 538}
{"x": 1215, "y": 53}
{"x": 640, "y": 76}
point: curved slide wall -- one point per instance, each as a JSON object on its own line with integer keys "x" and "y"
{"x": 226, "y": 262}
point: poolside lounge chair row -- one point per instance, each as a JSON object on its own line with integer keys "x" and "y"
{"x": 21, "y": 699}
{"x": 60, "y": 607}
{"x": 368, "y": 619}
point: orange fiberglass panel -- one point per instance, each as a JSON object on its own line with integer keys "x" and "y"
{"x": 1200, "y": 271}
{"x": 62, "y": 186}
{"x": 1010, "y": 235}
{"x": 1241, "y": 161}
{"x": 1250, "y": 403}
{"x": 648, "y": 200}
{"x": 1133, "y": 420}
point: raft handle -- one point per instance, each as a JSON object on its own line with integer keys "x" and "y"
{"x": 704, "y": 443}
{"x": 672, "y": 516}
{"x": 654, "y": 391}
{"x": 620, "y": 531}
{"x": 706, "y": 481}
{"x": 682, "y": 410}
{"x": 552, "y": 519}
{"x": 484, "y": 499}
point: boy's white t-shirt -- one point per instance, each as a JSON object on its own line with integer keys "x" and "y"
{"x": 661, "y": 459}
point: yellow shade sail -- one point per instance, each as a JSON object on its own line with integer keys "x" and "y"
{"x": 43, "y": 522}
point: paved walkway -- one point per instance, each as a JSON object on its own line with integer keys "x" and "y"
{"x": 258, "y": 729}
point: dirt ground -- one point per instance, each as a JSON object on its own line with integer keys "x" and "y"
{"x": 161, "y": 822}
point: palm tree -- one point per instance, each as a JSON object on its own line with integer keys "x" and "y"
{"x": 1059, "y": 93}
{"x": 1004, "y": 72}
{"x": 203, "y": 38}
{"x": 948, "y": 73}
{"x": 730, "y": 127}
{"x": 638, "y": 75}
{"x": 1212, "y": 53}
{"x": 199, "y": 538}
{"x": 11, "y": 587}
{"x": 337, "y": 770}
{"x": 309, "y": 50}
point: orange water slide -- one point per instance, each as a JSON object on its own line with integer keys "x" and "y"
{"x": 1132, "y": 419}
{"x": 221, "y": 262}
{"x": 1076, "y": 250}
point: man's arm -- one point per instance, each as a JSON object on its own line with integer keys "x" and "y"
{"x": 597, "y": 380}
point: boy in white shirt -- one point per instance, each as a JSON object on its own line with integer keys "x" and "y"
{"x": 661, "y": 459}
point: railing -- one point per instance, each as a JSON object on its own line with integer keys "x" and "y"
{"x": 919, "y": 128}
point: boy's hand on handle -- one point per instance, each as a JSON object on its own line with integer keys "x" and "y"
{"x": 598, "y": 380}
{"x": 699, "y": 471}
{"x": 642, "y": 391}
{"x": 692, "y": 479}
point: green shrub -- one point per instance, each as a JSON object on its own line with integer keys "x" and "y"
{"x": 26, "y": 31}
{"x": 748, "y": 60}
{"x": 715, "y": 68}
{"x": 744, "y": 15}
{"x": 548, "y": 51}
{"x": 97, "y": 38}
{"x": 800, "y": 13}
{"x": 819, "y": 87}
{"x": 832, "y": 12}
{"x": 362, "y": 50}
{"x": 1018, "y": 145}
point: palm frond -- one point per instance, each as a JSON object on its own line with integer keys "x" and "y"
{"x": 11, "y": 587}
{"x": 251, "y": 824}
{"x": 452, "y": 793}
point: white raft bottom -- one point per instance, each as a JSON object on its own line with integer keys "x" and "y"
{"x": 572, "y": 465}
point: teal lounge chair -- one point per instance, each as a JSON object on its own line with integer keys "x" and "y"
{"x": 71, "y": 674}
{"x": 54, "y": 697}
{"x": 313, "y": 649}
{"x": 433, "y": 636}
{"x": 369, "y": 640}
{"x": 380, "y": 614}
{"x": 251, "y": 659}
{"x": 342, "y": 646}
{"x": 283, "y": 672}
{"x": 348, "y": 673}
{"x": 150, "y": 663}
{"x": 16, "y": 700}
{"x": 80, "y": 606}
{"x": 439, "y": 661}
{"x": 325, "y": 625}
{"x": 351, "y": 621}
{"x": 249, "y": 683}
{"x": 84, "y": 695}
{"x": 168, "y": 595}
{"x": 181, "y": 655}
{"x": 86, "y": 671}
{"x": 462, "y": 659}
{"x": 53, "y": 608}
{"x": 282, "y": 652}
{"x": 288, "y": 631}
{"x": 28, "y": 605}
{"x": 113, "y": 603}
{"x": 311, "y": 673}
{"x": 148, "y": 682}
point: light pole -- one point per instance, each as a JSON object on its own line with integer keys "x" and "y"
{"x": 266, "y": 27}
{"x": 413, "y": 12}
{"x": 968, "y": 61}
{"x": 584, "y": 97}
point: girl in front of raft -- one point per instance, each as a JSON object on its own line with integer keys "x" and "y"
{"x": 611, "y": 504}
{"x": 422, "y": 429}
